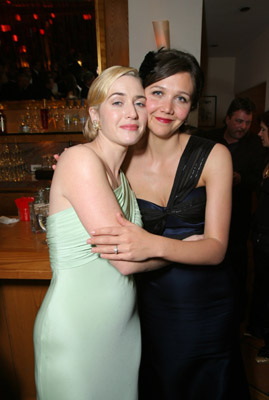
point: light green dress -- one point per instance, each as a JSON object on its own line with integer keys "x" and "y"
{"x": 87, "y": 332}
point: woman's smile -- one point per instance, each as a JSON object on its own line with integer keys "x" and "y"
{"x": 129, "y": 127}
{"x": 164, "y": 120}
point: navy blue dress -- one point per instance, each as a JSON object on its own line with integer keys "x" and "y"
{"x": 186, "y": 311}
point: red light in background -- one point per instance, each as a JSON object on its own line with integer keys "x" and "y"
{"x": 8, "y": 2}
{"x": 23, "y": 49}
{"x": 5, "y": 28}
{"x": 52, "y": 15}
{"x": 17, "y": 17}
{"x": 87, "y": 17}
{"x": 50, "y": 21}
{"x": 15, "y": 38}
{"x": 35, "y": 16}
{"x": 42, "y": 32}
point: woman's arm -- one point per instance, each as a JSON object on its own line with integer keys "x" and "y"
{"x": 129, "y": 247}
{"x": 135, "y": 244}
{"x": 80, "y": 181}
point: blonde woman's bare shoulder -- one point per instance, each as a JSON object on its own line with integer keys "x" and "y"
{"x": 80, "y": 159}
{"x": 79, "y": 153}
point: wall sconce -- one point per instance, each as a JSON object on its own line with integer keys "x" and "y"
{"x": 162, "y": 34}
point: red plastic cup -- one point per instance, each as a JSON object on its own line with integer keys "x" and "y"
{"x": 24, "y": 213}
{"x": 22, "y": 204}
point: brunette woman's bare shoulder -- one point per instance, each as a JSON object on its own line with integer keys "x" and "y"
{"x": 220, "y": 150}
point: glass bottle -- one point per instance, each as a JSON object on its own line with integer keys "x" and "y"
{"x": 44, "y": 114}
{"x": 39, "y": 210}
{"x": 3, "y": 120}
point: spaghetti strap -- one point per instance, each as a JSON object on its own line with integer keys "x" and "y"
{"x": 190, "y": 167}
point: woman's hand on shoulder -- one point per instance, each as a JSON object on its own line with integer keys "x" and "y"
{"x": 56, "y": 158}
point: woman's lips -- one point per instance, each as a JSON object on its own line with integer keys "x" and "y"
{"x": 163, "y": 120}
{"x": 130, "y": 127}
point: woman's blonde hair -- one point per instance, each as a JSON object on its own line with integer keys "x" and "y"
{"x": 99, "y": 90}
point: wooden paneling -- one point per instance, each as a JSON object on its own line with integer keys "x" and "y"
{"x": 8, "y": 378}
{"x": 117, "y": 32}
{"x": 22, "y": 300}
{"x": 257, "y": 374}
{"x": 100, "y": 34}
{"x": 112, "y": 33}
{"x": 24, "y": 279}
{"x": 257, "y": 395}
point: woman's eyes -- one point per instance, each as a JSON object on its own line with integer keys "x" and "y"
{"x": 120, "y": 103}
{"x": 159, "y": 93}
{"x": 182, "y": 99}
{"x": 140, "y": 104}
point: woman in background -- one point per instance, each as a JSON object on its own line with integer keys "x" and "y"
{"x": 183, "y": 186}
{"x": 259, "y": 311}
{"x": 87, "y": 331}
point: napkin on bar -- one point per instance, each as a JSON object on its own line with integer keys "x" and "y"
{"x": 7, "y": 220}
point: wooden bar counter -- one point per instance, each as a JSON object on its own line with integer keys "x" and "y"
{"x": 24, "y": 278}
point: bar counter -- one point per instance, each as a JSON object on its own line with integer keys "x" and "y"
{"x": 23, "y": 254}
{"x": 24, "y": 279}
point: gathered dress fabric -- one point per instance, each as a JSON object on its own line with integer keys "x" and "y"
{"x": 87, "y": 336}
{"x": 187, "y": 311}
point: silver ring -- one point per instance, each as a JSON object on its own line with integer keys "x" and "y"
{"x": 116, "y": 249}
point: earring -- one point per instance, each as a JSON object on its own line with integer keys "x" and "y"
{"x": 96, "y": 125}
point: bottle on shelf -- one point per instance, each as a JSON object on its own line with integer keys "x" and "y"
{"x": 83, "y": 115}
{"x": 44, "y": 113}
{"x": 3, "y": 120}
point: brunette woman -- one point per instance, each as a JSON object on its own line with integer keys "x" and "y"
{"x": 186, "y": 298}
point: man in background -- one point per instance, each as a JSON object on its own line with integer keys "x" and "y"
{"x": 247, "y": 155}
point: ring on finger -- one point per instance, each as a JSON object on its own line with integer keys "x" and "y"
{"x": 115, "y": 249}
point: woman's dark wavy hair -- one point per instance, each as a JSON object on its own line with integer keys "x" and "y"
{"x": 264, "y": 117}
{"x": 166, "y": 62}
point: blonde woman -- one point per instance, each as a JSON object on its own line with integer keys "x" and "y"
{"x": 87, "y": 331}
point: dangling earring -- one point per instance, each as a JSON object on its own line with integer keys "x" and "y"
{"x": 96, "y": 125}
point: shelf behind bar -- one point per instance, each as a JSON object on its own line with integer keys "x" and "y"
{"x": 42, "y": 137}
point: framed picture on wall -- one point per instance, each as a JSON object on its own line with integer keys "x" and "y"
{"x": 207, "y": 111}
